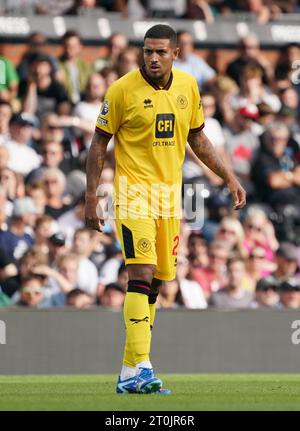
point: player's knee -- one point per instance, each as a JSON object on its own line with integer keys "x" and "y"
{"x": 139, "y": 286}
{"x": 141, "y": 272}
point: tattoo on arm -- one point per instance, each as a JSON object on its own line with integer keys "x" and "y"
{"x": 205, "y": 152}
{"x": 95, "y": 162}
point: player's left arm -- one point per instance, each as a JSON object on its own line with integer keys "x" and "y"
{"x": 204, "y": 150}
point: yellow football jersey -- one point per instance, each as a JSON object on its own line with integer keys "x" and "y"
{"x": 151, "y": 126}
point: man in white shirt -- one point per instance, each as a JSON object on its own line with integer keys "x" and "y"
{"x": 22, "y": 158}
{"x": 188, "y": 62}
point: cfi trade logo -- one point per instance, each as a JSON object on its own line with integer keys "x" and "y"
{"x": 2, "y": 332}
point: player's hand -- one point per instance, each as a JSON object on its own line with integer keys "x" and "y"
{"x": 238, "y": 193}
{"x": 92, "y": 220}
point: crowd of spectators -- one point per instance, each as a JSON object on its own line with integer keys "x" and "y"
{"x": 261, "y": 11}
{"x": 48, "y": 108}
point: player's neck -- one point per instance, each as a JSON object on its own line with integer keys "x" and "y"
{"x": 163, "y": 81}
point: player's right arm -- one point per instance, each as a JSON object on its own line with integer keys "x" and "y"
{"x": 107, "y": 125}
{"x": 94, "y": 166}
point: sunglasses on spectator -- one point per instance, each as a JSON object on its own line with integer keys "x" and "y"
{"x": 253, "y": 227}
{"x": 218, "y": 256}
{"x": 51, "y": 181}
{"x": 32, "y": 290}
{"x": 267, "y": 289}
{"x": 224, "y": 230}
{"x": 256, "y": 256}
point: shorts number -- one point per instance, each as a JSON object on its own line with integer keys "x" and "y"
{"x": 176, "y": 242}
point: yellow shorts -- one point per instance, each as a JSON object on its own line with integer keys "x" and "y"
{"x": 151, "y": 241}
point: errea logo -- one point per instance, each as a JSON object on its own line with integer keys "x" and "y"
{"x": 148, "y": 103}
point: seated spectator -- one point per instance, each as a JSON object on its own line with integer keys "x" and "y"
{"x": 190, "y": 62}
{"x": 9, "y": 80}
{"x": 36, "y": 45}
{"x": 57, "y": 247}
{"x": 254, "y": 91}
{"x": 286, "y": 261}
{"x": 276, "y": 171}
{"x": 242, "y": 143}
{"x": 41, "y": 93}
{"x": 213, "y": 129}
{"x": 88, "y": 109}
{"x": 43, "y": 230}
{"x": 59, "y": 128}
{"x": 37, "y": 192}
{"x": 266, "y": 116}
{"x": 87, "y": 273}
{"x": 32, "y": 293}
{"x": 110, "y": 75}
{"x": 290, "y": 98}
{"x": 117, "y": 42}
{"x": 54, "y": 182}
{"x": 266, "y": 295}
{"x": 233, "y": 296}
{"x": 192, "y": 165}
{"x": 231, "y": 231}
{"x": 16, "y": 240}
{"x": 68, "y": 266}
{"x": 289, "y": 294}
{"x": 249, "y": 54}
{"x": 169, "y": 296}
{"x": 259, "y": 232}
{"x": 77, "y": 298}
{"x": 199, "y": 9}
{"x": 197, "y": 250}
{"x": 76, "y": 71}
{"x": 108, "y": 272}
{"x": 192, "y": 293}
{"x": 213, "y": 277}
{"x": 218, "y": 206}
{"x": 12, "y": 184}
{"x": 288, "y": 54}
{"x": 30, "y": 259}
{"x": 257, "y": 266}
{"x": 5, "y": 116}
{"x": 22, "y": 158}
{"x": 113, "y": 296}
{"x": 72, "y": 220}
{"x": 261, "y": 10}
{"x": 128, "y": 60}
{"x": 52, "y": 157}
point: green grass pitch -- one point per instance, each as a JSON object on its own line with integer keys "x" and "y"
{"x": 190, "y": 392}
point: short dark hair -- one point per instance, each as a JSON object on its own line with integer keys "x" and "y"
{"x": 234, "y": 259}
{"x": 71, "y": 33}
{"x": 162, "y": 31}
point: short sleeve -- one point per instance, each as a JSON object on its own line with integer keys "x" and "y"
{"x": 111, "y": 111}
{"x": 197, "y": 116}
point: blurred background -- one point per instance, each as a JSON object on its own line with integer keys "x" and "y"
{"x": 57, "y": 60}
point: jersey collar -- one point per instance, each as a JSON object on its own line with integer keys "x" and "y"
{"x": 152, "y": 83}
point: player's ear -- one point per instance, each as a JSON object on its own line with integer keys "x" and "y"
{"x": 175, "y": 53}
